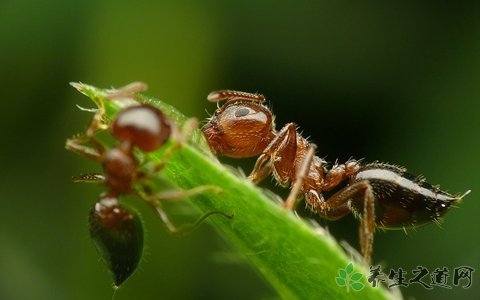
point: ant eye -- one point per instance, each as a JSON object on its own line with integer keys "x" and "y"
{"x": 241, "y": 112}
{"x": 144, "y": 126}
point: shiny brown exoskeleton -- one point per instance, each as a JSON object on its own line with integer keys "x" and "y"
{"x": 380, "y": 195}
{"x": 117, "y": 230}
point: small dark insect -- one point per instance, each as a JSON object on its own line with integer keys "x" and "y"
{"x": 380, "y": 195}
{"x": 117, "y": 230}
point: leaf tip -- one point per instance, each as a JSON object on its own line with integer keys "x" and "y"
{"x": 81, "y": 87}
{"x": 77, "y": 85}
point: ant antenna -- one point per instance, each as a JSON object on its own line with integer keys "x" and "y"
{"x": 230, "y": 95}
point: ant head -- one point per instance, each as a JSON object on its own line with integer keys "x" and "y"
{"x": 242, "y": 127}
{"x": 144, "y": 126}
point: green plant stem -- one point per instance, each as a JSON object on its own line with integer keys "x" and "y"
{"x": 297, "y": 260}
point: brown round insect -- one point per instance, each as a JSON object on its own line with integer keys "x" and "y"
{"x": 380, "y": 194}
{"x": 116, "y": 229}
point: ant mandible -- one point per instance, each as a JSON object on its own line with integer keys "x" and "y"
{"x": 381, "y": 195}
{"x": 116, "y": 230}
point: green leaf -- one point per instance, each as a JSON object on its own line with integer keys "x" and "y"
{"x": 342, "y": 273}
{"x": 340, "y": 281}
{"x": 357, "y": 286}
{"x": 300, "y": 262}
{"x": 356, "y": 276}
{"x": 349, "y": 268}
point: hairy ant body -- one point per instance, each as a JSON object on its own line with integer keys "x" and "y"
{"x": 380, "y": 195}
{"x": 116, "y": 230}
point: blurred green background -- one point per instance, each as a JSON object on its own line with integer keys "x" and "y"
{"x": 394, "y": 82}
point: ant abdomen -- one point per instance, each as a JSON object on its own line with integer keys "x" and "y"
{"x": 402, "y": 199}
{"x": 118, "y": 235}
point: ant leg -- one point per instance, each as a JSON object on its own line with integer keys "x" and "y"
{"x": 180, "y": 195}
{"x": 155, "y": 202}
{"x": 337, "y": 206}
{"x": 283, "y": 146}
{"x": 187, "y": 228}
{"x": 89, "y": 178}
{"x": 77, "y": 145}
{"x": 367, "y": 225}
{"x": 338, "y": 173}
{"x": 315, "y": 201}
{"x": 127, "y": 91}
{"x": 292, "y": 198}
{"x": 179, "y": 138}
{"x": 262, "y": 169}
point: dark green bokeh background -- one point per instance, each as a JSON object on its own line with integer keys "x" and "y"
{"x": 396, "y": 82}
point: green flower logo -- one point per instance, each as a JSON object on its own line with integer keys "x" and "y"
{"x": 347, "y": 278}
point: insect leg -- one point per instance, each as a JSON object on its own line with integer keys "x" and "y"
{"x": 283, "y": 146}
{"x": 292, "y": 198}
{"x": 337, "y": 206}
{"x": 78, "y": 146}
{"x": 155, "y": 202}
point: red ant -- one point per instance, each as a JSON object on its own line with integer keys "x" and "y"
{"x": 116, "y": 230}
{"x": 380, "y": 195}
